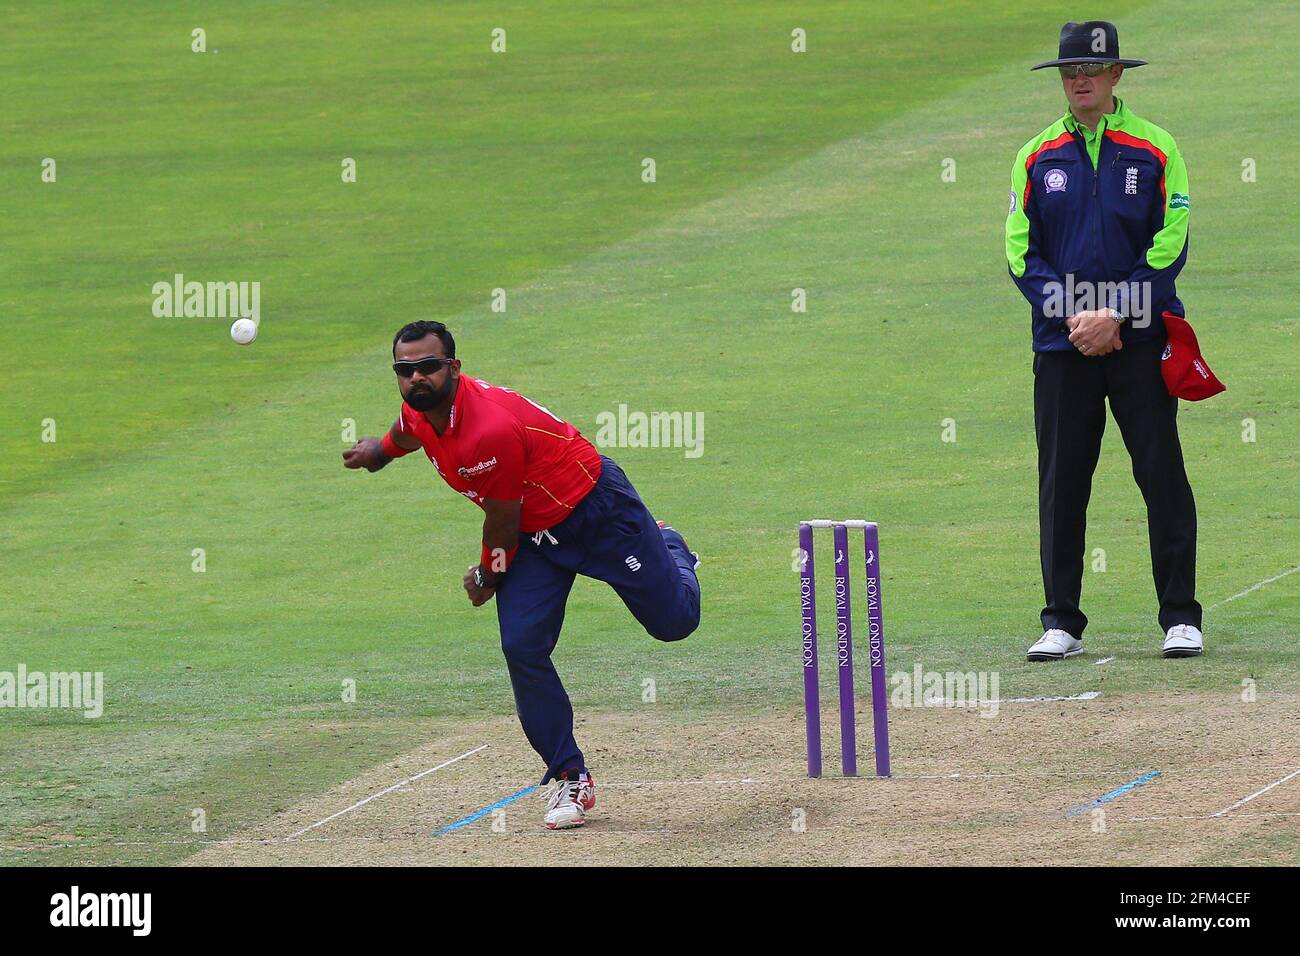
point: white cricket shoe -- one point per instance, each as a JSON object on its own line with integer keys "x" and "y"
{"x": 1183, "y": 640}
{"x": 1055, "y": 645}
{"x": 568, "y": 802}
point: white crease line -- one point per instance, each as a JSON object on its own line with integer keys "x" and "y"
{"x": 1275, "y": 783}
{"x": 937, "y": 701}
{"x": 396, "y": 786}
{"x": 1216, "y": 816}
{"x": 1255, "y": 587}
{"x": 1104, "y": 660}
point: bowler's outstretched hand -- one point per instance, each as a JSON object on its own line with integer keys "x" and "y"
{"x": 366, "y": 454}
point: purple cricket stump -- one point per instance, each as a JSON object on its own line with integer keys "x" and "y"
{"x": 844, "y": 652}
{"x": 876, "y": 645}
{"x": 808, "y": 608}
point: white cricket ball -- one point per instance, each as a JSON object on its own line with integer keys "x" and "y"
{"x": 243, "y": 331}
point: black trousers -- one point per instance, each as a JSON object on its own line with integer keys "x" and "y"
{"x": 1070, "y": 392}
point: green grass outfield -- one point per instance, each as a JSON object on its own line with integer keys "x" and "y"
{"x": 522, "y": 171}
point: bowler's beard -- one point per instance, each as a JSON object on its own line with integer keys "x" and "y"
{"x": 425, "y": 398}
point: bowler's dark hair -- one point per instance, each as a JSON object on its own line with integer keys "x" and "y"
{"x": 414, "y": 331}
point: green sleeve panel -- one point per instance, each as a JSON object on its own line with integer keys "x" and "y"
{"x": 1017, "y": 229}
{"x": 1171, "y": 238}
{"x": 1032, "y": 274}
{"x": 1169, "y": 241}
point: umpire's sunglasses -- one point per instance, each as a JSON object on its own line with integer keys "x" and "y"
{"x": 1087, "y": 69}
{"x": 425, "y": 366}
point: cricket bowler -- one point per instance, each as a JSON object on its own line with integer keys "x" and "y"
{"x": 553, "y": 508}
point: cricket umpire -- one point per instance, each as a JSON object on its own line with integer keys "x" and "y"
{"x": 1096, "y": 235}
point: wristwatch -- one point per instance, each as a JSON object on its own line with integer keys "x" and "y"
{"x": 1117, "y": 317}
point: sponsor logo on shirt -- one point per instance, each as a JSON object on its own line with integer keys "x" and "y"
{"x": 475, "y": 470}
{"x": 1180, "y": 201}
{"x": 1013, "y": 203}
{"x": 1054, "y": 180}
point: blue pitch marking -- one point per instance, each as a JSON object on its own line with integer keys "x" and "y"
{"x": 1117, "y": 792}
{"x": 478, "y": 814}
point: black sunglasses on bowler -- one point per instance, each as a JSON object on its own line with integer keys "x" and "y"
{"x": 425, "y": 366}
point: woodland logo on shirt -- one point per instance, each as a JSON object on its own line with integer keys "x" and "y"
{"x": 475, "y": 470}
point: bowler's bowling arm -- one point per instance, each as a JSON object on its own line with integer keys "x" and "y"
{"x": 401, "y": 439}
{"x": 386, "y": 449}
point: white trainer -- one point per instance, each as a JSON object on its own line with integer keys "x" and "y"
{"x": 564, "y": 804}
{"x": 1055, "y": 645}
{"x": 1183, "y": 640}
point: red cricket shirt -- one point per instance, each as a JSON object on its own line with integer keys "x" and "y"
{"x": 501, "y": 445}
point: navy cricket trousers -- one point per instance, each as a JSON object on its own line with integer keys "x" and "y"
{"x": 1070, "y": 394}
{"x": 612, "y": 537}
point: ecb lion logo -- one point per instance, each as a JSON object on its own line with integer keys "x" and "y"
{"x": 1055, "y": 180}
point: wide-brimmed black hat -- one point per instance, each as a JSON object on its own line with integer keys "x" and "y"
{"x": 1093, "y": 41}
